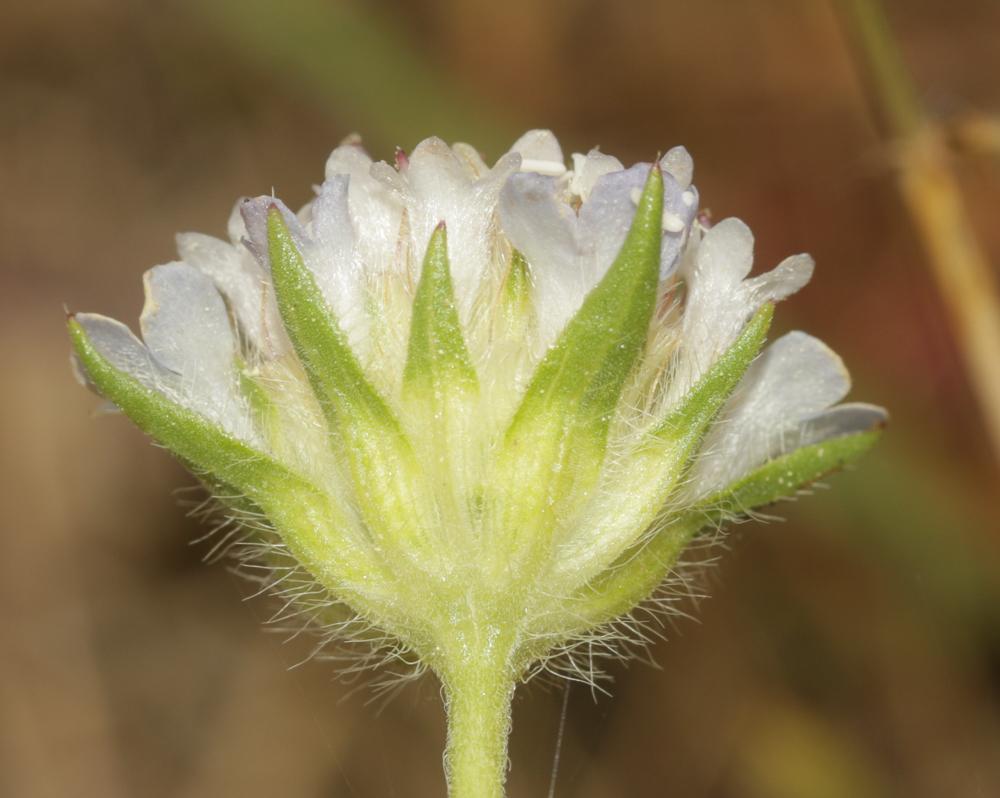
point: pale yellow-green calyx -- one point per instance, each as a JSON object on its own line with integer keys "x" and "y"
{"x": 361, "y": 424}
{"x": 441, "y": 404}
{"x": 552, "y": 452}
{"x": 639, "y": 484}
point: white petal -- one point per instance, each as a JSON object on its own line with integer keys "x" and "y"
{"x": 718, "y": 300}
{"x": 589, "y": 168}
{"x": 715, "y": 306}
{"x": 795, "y": 378}
{"x": 333, "y": 234}
{"x": 678, "y": 164}
{"x": 440, "y": 189}
{"x": 540, "y": 152}
{"x": 606, "y": 217}
{"x": 845, "y": 419}
{"x": 538, "y": 223}
{"x": 473, "y": 163}
{"x": 544, "y": 229}
{"x": 387, "y": 178}
{"x": 186, "y": 327}
{"x": 235, "y": 226}
{"x": 782, "y": 281}
{"x": 434, "y": 170}
{"x": 331, "y": 256}
{"x": 725, "y": 255}
{"x": 374, "y": 207}
{"x": 119, "y": 346}
{"x": 348, "y": 159}
{"x": 235, "y": 273}
{"x": 184, "y": 321}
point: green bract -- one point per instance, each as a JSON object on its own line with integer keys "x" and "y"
{"x": 483, "y": 411}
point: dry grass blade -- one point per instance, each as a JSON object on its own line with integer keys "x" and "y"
{"x": 931, "y": 191}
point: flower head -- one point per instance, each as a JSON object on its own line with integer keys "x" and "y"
{"x": 484, "y": 408}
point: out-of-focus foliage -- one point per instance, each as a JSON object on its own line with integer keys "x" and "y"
{"x": 852, "y": 650}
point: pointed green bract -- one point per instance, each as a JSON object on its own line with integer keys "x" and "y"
{"x": 635, "y": 493}
{"x": 264, "y": 409}
{"x": 554, "y": 447}
{"x": 517, "y": 285}
{"x": 338, "y": 379}
{"x": 515, "y": 312}
{"x": 366, "y": 432}
{"x": 437, "y": 351}
{"x": 257, "y": 397}
{"x": 581, "y": 377}
{"x": 696, "y": 412}
{"x": 508, "y": 342}
{"x": 440, "y": 397}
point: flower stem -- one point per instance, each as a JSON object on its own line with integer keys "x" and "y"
{"x": 478, "y": 697}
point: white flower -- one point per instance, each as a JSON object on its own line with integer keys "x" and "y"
{"x": 485, "y": 408}
{"x": 363, "y": 238}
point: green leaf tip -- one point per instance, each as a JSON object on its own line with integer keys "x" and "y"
{"x": 437, "y": 350}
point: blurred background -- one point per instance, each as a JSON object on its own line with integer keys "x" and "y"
{"x": 851, "y": 650}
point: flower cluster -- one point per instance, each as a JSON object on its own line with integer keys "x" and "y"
{"x": 484, "y": 408}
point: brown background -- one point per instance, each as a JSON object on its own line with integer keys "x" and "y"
{"x": 853, "y": 650}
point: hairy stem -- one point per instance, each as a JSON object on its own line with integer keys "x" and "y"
{"x": 478, "y": 693}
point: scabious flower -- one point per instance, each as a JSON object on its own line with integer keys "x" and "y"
{"x": 479, "y": 412}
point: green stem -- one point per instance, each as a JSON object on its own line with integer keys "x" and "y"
{"x": 478, "y": 697}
